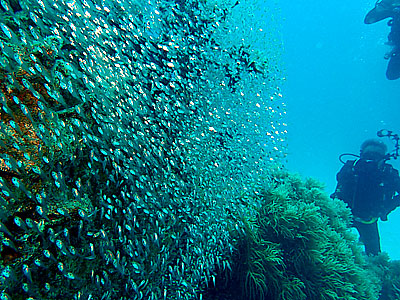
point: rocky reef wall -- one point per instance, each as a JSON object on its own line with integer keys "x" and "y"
{"x": 130, "y": 132}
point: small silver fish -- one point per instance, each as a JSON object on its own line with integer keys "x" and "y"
{"x": 39, "y": 263}
{"x": 64, "y": 212}
{"x": 7, "y": 242}
{"x": 4, "y": 229}
{"x": 48, "y": 255}
{"x": 47, "y": 287}
{"x": 27, "y": 272}
{"x": 61, "y": 268}
{"x": 4, "y": 296}
{"x": 51, "y": 235}
{"x": 70, "y": 276}
{"x": 42, "y": 213}
{"x": 10, "y": 34}
{"x": 5, "y": 5}
{"x": 20, "y": 223}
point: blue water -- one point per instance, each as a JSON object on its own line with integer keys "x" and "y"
{"x": 336, "y": 91}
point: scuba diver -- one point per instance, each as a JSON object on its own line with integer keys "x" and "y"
{"x": 370, "y": 187}
{"x": 382, "y": 10}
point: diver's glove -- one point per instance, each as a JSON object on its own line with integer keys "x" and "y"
{"x": 387, "y": 209}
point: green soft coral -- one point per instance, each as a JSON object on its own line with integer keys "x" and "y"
{"x": 389, "y": 274}
{"x": 300, "y": 246}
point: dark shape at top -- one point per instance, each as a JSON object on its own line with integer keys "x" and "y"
{"x": 382, "y": 10}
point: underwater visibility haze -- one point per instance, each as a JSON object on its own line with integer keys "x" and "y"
{"x": 336, "y": 90}
{"x": 144, "y": 147}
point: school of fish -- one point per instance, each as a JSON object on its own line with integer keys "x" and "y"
{"x": 132, "y": 133}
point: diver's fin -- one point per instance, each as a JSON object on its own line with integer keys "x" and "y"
{"x": 393, "y": 68}
{"x": 379, "y": 12}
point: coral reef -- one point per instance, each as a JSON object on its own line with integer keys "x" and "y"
{"x": 129, "y": 131}
{"x": 300, "y": 246}
{"x": 138, "y": 147}
{"x": 389, "y": 274}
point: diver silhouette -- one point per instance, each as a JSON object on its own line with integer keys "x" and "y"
{"x": 371, "y": 188}
{"x": 382, "y": 10}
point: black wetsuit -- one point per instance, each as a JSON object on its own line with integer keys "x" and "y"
{"x": 371, "y": 191}
{"x": 393, "y": 69}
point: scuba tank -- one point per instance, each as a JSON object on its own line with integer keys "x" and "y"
{"x": 367, "y": 185}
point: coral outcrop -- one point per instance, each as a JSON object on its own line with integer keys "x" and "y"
{"x": 299, "y": 245}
